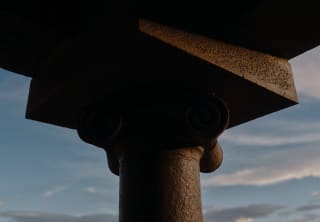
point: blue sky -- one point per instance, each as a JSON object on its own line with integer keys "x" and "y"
{"x": 271, "y": 169}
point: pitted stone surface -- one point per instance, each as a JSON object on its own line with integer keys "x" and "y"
{"x": 252, "y": 84}
{"x": 183, "y": 196}
{"x": 270, "y": 72}
{"x": 170, "y": 182}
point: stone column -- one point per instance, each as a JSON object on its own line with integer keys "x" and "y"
{"x": 161, "y": 186}
{"x": 158, "y": 150}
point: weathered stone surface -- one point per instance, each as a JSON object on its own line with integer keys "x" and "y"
{"x": 33, "y": 32}
{"x": 280, "y": 28}
{"x": 265, "y": 70}
{"x": 169, "y": 180}
{"x": 97, "y": 51}
{"x": 169, "y": 121}
{"x": 165, "y": 60}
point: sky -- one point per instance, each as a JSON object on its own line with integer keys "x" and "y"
{"x": 271, "y": 168}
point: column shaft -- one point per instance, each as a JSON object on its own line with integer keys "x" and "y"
{"x": 160, "y": 185}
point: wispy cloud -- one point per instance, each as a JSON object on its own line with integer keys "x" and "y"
{"x": 54, "y": 191}
{"x": 269, "y": 140}
{"x": 315, "y": 194}
{"x": 309, "y": 207}
{"x": 87, "y": 170}
{"x": 98, "y": 191}
{"x": 306, "y": 213}
{"x": 236, "y": 214}
{"x": 274, "y": 168}
{"x": 241, "y": 214}
{"x": 25, "y": 216}
{"x": 307, "y": 218}
{"x": 1, "y": 203}
{"x": 306, "y": 70}
{"x": 13, "y": 87}
{"x": 275, "y": 132}
{"x": 91, "y": 165}
{"x": 20, "y": 93}
{"x": 285, "y": 161}
{"x": 244, "y": 220}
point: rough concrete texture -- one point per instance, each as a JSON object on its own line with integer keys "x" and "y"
{"x": 270, "y": 72}
{"x": 170, "y": 181}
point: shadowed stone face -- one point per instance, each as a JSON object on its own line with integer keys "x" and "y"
{"x": 164, "y": 61}
{"x": 97, "y": 50}
{"x": 265, "y": 70}
{"x": 33, "y": 32}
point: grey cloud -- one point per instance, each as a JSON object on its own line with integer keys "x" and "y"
{"x": 54, "y": 191}
{"x": 275, "y": 132}
{"x": 24, "y": 216}
{"x": 13, "y": 88}
{"x": 273, "y": 168}
{"x": 237, "y": 213}
{"x": 288, "y": 162}
{"x": 245, "y": 213}
{"x": 306, "y": 73}
{"x": 309, "y": 207}
{"x": 307, "y": 218}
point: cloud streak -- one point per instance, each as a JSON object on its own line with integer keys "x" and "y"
{"x": 25, "y": 216}
{"x": 258, "y": 140}
{"x": 307, "y": 218}
{"x": 309, "y": 207}
{"x": 13, "y": 87}
{"x": 315, "y": 194}
{"x": 275, "y": 132}
{"x": 306, "y": 70}
{"x": 241, "y": 214}
{"x": 1, "y": 203}
{"x": 54, "y": 191}
{"x": 97, "y": 191}
{"x": 275, "y": 165}
{"x": 236, "y": 214}
{"x": 274, "y": 168}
